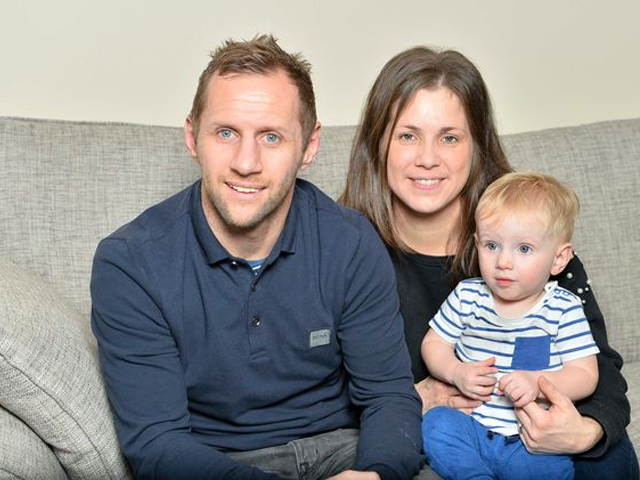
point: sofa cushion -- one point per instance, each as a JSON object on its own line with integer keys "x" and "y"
{"x": 24, "y": 454}
{"x": 631, "y": 372}
{"x": 66, "y": 185}
{"x": 50, "y": 378}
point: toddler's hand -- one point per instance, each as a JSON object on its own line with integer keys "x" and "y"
{"x": 475, "y": 379}
{"x": 520, "y": 386}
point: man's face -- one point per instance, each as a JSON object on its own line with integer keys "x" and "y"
{"x": 249, "y": 145}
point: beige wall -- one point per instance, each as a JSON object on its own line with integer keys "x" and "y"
{"x": 547, "y": 62}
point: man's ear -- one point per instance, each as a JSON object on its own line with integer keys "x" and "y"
{"x": 313, "y": 145}
{"x": 563, "y": 255}
{"x": 190, "y": 137}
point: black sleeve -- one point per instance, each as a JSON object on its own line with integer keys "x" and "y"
{"x": 608, "y": 404}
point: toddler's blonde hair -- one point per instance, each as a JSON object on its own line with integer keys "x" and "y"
{"x": 532, "y": 192}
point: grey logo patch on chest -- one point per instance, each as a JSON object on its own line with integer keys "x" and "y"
{"x": 318, "y": 338}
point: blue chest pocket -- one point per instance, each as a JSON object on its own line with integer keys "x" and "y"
{"x": 531, "y": 353}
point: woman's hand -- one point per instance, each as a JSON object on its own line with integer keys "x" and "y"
{"x": 559, "y": 430}
{"x": 434, "y": 393}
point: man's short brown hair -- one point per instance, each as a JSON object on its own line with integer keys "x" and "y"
{"x": 261, "y": 55}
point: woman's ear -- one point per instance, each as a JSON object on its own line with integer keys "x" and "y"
{"x": 563, "y": 255}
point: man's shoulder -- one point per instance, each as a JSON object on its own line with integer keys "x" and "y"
{"x": 156, "y": 221}
{"x": 330, "y": 213}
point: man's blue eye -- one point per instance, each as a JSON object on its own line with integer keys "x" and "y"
{"x": 271, "y": 138}
{"x": 226, "y": 133}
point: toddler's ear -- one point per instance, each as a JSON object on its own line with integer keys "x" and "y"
{"x": 563, "y": 255}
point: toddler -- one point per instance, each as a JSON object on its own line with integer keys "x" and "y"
{"x": 495, "y": 336}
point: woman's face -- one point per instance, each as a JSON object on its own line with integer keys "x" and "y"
{"x": 430, "y": 152}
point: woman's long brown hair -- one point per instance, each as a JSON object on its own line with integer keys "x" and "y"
{"x": 367, "y": 188}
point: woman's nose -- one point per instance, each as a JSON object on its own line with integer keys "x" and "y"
{"x": 428, "y": 156}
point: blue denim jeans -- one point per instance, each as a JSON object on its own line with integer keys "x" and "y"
{"x": 457, "y": 446}
{"x": 311, "y": 458}
{"x": 619, "y": 462}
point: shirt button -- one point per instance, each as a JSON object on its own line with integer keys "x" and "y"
{"x": 234, "y": 264}
{"x": 255, "y": 321}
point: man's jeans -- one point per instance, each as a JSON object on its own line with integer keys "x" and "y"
{"x": 310, "y": 458}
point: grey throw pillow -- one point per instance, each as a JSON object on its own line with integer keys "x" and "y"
{"x": 50, "y": 377}
{"x": 24, "y": 454}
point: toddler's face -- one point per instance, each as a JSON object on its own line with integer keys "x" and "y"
{"x": 516, "y": 256}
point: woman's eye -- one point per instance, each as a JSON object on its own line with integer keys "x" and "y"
{"x": 407, "y": 137}
{"x": 524, "y": 249}
{"x": 449, "y": 139}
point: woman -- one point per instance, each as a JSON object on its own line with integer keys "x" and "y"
{"x": 426, "y": 149}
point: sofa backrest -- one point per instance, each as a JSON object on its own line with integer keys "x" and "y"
{"x": 65, "y": 185}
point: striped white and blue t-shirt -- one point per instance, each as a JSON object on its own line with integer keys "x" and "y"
{"x": 553, "y": 332}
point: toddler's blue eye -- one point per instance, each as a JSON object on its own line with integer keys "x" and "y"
{"x": 492, "y": 246}
{"x": 524, "y": 249}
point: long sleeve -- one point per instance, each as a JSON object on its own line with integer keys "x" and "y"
{"x": 376, "y": 358}
{"x": 608, "y": 404}
{"x": 144, "y": 376}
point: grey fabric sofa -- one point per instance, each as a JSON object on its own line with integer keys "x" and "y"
{"x": 65, "y": 185}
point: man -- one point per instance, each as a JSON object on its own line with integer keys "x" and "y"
{"x": 247, "y": 326}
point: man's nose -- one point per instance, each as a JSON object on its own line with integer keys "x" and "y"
{"x": 247, "y": 159}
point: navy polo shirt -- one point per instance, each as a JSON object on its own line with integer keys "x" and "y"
{"x": 202, "y": 356}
